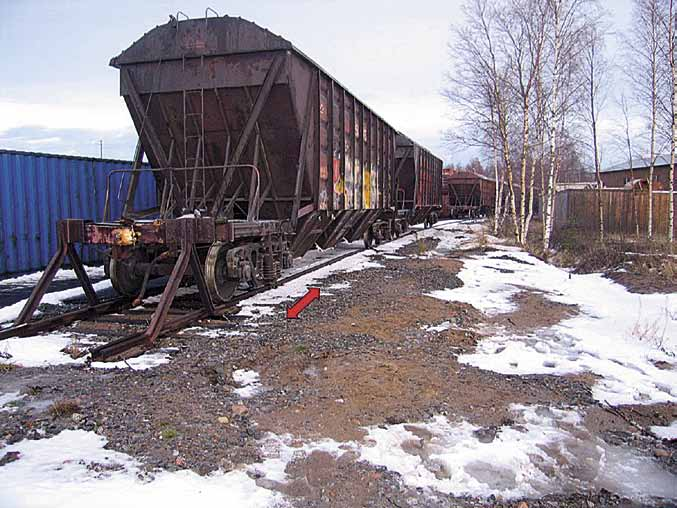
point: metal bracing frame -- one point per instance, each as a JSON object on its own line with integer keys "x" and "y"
{"x": 134, "y": 181}
{"x": 303, "y": 149}
{"x": 194, "y": 120}
{"x": 261, "y": 99}
{"x": 65, "y": 248}
{"x": 270, "y": 188}
{"x": 342, "y": 224}
{"x": 148, "y": 135}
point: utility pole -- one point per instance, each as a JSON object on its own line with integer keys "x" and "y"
{"x": 101, "y": 149}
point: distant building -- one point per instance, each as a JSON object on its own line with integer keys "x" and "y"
{"x": 620, "y": 174}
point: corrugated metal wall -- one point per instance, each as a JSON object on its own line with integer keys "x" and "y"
{"x": 37, "y": 189}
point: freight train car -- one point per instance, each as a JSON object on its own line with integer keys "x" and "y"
{"x": 258, "y": 155}
{"x": 467, "y": 194}
{"x": 418, "y": 182}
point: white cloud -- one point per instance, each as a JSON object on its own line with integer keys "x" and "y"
{"x": 99, "y": 116}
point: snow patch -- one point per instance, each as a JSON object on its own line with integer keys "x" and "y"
{"x": 546, "y": 451}
{"x": 212, "y": 333}
{"x": 11, "y": 312}
{"x": 38, "y": 351}
{"x": 617, "y": 335}
{"x": 444, "y": 325}
{"x": 30, "y": 279}
{"x": 665, "y": 431}
{"x": 45, "y": 350}
{"x": 182, "y": 291}
{"x": 339, "y": 285}
{"x": 73, "y": 469}
{"x": 8, "y": 398}
{"x": 249, "y": 381}
{"x": 144, "y": 362}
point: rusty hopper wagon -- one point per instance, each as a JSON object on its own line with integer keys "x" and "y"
{"x": 468, "y": 194}
{"x": 418, "y": 182}
{"x": 258, "y": 155}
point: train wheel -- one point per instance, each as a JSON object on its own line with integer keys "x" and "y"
{"x": 220, "y": 287}
{"x": 123, "y": 277}
{"x": 397, "y": 229}
{"x": 388, "y": 234}
{"x": 368, "y": 239}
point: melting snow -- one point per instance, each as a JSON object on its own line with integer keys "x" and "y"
{"x": 444, "y": 325}
{"x": 45, "y": 350}
{"x": 546, "y": 451}
{"x": 7, "y": 398}
{"x": 617, "y": 334}
{"x": 143, "y": 362}
{"x": 339, "y": 285}
{"x": 666, "y": 431}
{"x": 73, "y": 469}
{"x": 31, "y": 279}
{"x": 249, "y": 381}
{"x": 212, "y": 333}
{"x": 11, "y": 312}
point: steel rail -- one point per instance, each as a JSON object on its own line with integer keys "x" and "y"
{"x": 132, "y": 345}
{"x": 126, "y": 347}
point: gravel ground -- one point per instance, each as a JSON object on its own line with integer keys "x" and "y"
{"x": 365, "y": 345}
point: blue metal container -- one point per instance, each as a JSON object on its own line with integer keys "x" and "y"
{"x": 37, "y": 189}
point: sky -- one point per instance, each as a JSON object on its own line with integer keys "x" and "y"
{"x": 59, "y": 95}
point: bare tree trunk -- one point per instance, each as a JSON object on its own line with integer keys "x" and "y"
{"x": 653, "y": 43}
{"x": 652, "y": 147}
{"x": 522, "y": 235}
{"x": 593, "y": 76}
{"x": 498, "y": 191}
{"x": 505, "y": 142}
{"x": 537, "y": 160}
{"x": 673, "y": 141}
{"x": 552, "y": 135}
{"x": 628, "y": 143}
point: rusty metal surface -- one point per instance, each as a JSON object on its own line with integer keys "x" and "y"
{"x": 258, "y": 100}
{"x": 466, "y": 190}
{"x": 418, "y": 176}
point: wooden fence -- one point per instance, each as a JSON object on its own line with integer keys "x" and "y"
{"x": 623, "y": 208}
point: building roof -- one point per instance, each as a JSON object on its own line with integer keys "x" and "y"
{"x": 638, "y": 163}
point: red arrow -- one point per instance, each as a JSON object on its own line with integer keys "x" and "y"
{"x": 303, "y": 302}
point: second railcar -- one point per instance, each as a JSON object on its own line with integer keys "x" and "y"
{"x": 418, "y": 182}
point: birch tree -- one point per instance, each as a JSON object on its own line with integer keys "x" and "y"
{"x": 647, "y": 77}
{"x": 594, "y": 76}
{"x": 628, "y": 145}
{"x": 479, "y": 87}
{"x": 566, "y": 21}
{"x": 673, "y": 141}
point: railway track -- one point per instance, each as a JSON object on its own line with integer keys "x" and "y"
{"x": 111, "y": 316}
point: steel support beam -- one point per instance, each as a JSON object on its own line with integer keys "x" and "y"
{"x": 261, "y": 99}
